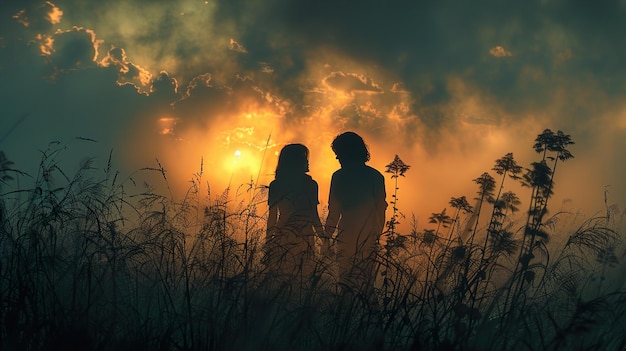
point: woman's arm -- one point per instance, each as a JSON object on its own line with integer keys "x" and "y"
{"x": 380, "y": 203}
{"x": 272, "y": 217}
{"x": 334, "y": 212}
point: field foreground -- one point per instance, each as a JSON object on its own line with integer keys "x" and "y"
{"x": 93, "y": 262}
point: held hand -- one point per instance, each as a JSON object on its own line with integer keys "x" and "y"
{"x": 327, "y": 249}
{"x": 271, "y": 236}
{"x": 270, "y": 233}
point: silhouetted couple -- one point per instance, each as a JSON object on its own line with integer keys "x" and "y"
{"x": 356, "y": 213}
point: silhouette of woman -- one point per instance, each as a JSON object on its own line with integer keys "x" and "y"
{"x": 293, "y": 221}
{"x": 356, "y": 210}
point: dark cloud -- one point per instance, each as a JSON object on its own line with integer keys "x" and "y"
{"x": 351, "y": 83}
{"x": 164, "y": 88}
{"x": 36, "y": 16}
{"x": 425, "y": 42}
{"x": 128, "y": 72}
{"x": 82, "y": 100}
{"x": 235, "y": 46}
{"x": 73, "y": 49}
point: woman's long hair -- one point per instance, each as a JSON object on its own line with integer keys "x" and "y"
{"x": 293, "y": 160}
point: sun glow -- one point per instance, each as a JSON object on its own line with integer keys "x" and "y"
{"x": 243, "y": 165}
{"x": 239, "y": 144}
{"x": 166, "y": 125}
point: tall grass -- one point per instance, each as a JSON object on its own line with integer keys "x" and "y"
{"x": 93, "y": 261}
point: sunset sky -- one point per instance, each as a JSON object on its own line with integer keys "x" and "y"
{"x": 450, "y": 86}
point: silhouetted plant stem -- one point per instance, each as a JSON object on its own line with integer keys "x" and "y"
{"x": 397, "y": 168}
{"x": 505, "y": 166}
{"x": 486, "y": 185}
{"x": 430, "y": 237}
{"x": 540, "y": 178}
{"x": 461, "y": 205}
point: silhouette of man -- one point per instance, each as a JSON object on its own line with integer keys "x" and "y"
{"x": 356, "y": 210}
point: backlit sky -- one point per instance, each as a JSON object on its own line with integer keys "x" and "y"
{"x": 450, "y": 86}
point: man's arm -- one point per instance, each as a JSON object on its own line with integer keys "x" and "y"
{"x": 271, "y": 222}
{"x": 380, "y": 201}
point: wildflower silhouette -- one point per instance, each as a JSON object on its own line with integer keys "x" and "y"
{"x": 486, "y": 185}
{"x": 557, "y": 143}
{"x": 540, "y": 178}
{"x": 500, "y": 239}
{"x": 397, "y": 168}
{"x": 441, "y": 219}
{"x": 461, "y": 205}
{"x": 503, "y": 203}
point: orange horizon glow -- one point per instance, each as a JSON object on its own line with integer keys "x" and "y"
{"x": 243, "y": 151}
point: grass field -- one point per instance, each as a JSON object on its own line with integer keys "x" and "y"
{"x": 91, "y": 261}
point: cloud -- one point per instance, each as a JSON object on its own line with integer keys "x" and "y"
{"x": 183, "y": 37}
{"x": 164, "y": 87}
{"x": 167, "y": 79}
{"x": 167, "y": 125}
{"x": 73, "y": 49}
{"x": 499, "y": 51}
{"x": 398, "y": 88}
{"x": 55, "y": 14}
{"x": 266, "y": 68}
{"x": 233, "y": 45}
{"x": 38, "y": 16}
{"x": 351, "y": 83}
{"x": 129, "y": 73}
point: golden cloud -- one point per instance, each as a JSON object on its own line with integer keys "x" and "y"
{"x": 55, "y": 13}
{"x": 499, "y": 51}
{"x": 129, "y": 73}
{"x": 351, "y": 83}
{"x": 235, "y": 46}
